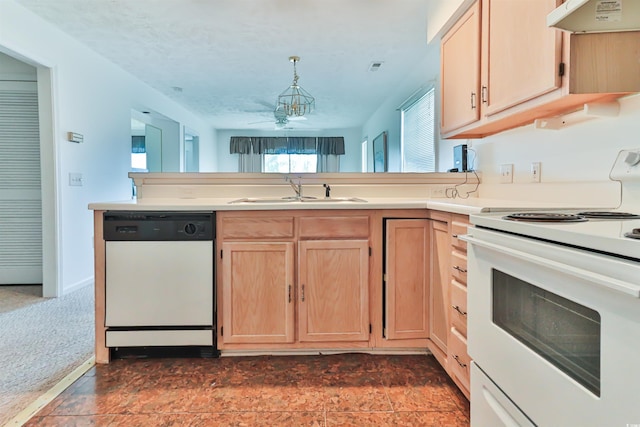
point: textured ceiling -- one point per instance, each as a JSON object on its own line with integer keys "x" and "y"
{"x": 230, "y": 57}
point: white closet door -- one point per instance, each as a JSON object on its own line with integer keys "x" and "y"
{"x": 20, "y": 197}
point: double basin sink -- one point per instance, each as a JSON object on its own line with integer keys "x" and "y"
{"x": 303, "y": 199}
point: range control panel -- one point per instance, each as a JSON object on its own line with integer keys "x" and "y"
{"x": 158, "y": 226}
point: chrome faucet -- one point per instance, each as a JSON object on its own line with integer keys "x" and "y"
{"x": 296, "y": 187}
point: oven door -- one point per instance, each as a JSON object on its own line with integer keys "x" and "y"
{"x": 557, "y": 329}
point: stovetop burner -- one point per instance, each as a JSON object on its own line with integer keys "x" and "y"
{"x": 634, "y": 234}
{"x": 609, "y": 215}
{"x": 545, "y": 217}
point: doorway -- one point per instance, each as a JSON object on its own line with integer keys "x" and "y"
{"x": 20, "y": 183}
{"x": 29, "y": 180}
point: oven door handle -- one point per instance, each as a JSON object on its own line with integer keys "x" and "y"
{"x": 599, "y": 279}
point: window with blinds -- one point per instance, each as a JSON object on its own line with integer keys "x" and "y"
{"x": 418, "y": 134}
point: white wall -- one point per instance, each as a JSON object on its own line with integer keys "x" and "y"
{"x": 349, "y": 162}
{"x": 387, "y": 116}
{"x": 93, "y": 97}
{"x": 441, "y": 13}
{"x": 579, "y": 153}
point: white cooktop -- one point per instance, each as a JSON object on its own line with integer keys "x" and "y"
{"x": 605, "y": 235}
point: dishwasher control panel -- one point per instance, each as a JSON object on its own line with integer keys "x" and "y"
{"x": 158, "y": 226}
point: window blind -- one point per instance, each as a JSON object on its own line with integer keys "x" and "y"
{"x": 418, "y": 135}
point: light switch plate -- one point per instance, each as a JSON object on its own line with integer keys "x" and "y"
{"x": 75, "y": 179}
{"x": 506, "y": 173}
{"x": 535, "y": 172}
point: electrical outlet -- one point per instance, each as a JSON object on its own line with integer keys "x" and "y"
{"x": 506, "y": 173}
{"x": 535, "y": 172}
{"x": 437, "y": 192}
{"x": 75, "y": 179}
{"x": 627, "y": 166}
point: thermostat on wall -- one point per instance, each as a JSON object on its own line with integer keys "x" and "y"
{"x": 75, "y": 137}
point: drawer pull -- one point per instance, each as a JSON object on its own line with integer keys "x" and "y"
{"x": 462, "y": 365}
{"x": 289, "y": 294}
{"x": 302, "y": 295}
{"x": 455, "y": 236}
{"x": 457, "y": 308}
{"x": 460, "y": 269}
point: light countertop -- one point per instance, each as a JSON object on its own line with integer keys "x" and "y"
{"x": 462, "y": 206}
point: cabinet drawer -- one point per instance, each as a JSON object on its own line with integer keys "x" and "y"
{"x": 458, "y": 229}
{"x": 459, "y": 307}
{"x": 257, "y": 227}
{"x": 459, "y": 266}
{"x": 459, "y": 360}
{"x": 334, "y": 227}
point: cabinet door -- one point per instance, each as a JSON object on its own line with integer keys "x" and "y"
{"x": 460, "y": 72}
{"x": 407, "y": 279}
{"x": 440, "y": 256}
{"x": 521, "y": 55}
{"x": 333, "y": 290}
{"x": 258, "y": 300}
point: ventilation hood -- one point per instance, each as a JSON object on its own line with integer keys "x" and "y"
{"x": 596, "y": 16}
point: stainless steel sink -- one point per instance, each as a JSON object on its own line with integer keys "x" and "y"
{"x": 337, "y": 199}
{"x": 305, "y": 199}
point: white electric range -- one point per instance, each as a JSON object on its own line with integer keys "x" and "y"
{"x": 554, "y": 313}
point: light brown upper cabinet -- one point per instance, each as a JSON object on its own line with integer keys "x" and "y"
{"x": 460, "y": 73}
{"x": 525, "y": 70}
{"x": 521, "y": 55}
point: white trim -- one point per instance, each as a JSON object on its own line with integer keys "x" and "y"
{"x": 49, "y": 172}
{"x": 78, "y": 285}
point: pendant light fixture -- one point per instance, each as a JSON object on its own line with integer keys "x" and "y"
{"x": 295, "y": 101}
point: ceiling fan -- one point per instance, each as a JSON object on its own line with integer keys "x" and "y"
{"x": 280, "y": 117}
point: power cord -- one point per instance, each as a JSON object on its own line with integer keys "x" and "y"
{"x": 453, "y": 192}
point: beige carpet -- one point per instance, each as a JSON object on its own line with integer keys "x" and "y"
{"x": 41, "y": 341}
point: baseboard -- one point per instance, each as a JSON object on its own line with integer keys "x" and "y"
{"x": 78, "y": 285}
{"x": 304, "y": 352}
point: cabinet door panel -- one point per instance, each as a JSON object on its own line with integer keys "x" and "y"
{"x": 333, "y": 290}
{"x": 257, "y": 282}
{"x": 407, "y": 279}
{"x": 440, "y": 277}
{"x": 460, "y": 72}
{"x": 523, "y": 53}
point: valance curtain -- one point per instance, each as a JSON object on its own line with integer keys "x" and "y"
{"x": 250, "y": 149}
{"x": 287, "y": 145}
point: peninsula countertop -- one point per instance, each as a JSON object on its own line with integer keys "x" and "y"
{"x": 458, "y": 205}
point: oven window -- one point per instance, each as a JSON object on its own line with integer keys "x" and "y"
{"x": 563, "y": 332}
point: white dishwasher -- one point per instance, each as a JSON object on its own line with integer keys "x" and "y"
{"x": 159, "y": 272}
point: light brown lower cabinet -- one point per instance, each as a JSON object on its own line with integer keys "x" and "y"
{"x": 257, "y": 284}
{"x": 440, "y": 260}
{"x": 301, "y": 284}
{"x": 407, "y": 279}
{"x": 448, "y": 340}
{"x": 333, "y": 285}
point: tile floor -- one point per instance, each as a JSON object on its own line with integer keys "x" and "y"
{"x": 331, "y": 390}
